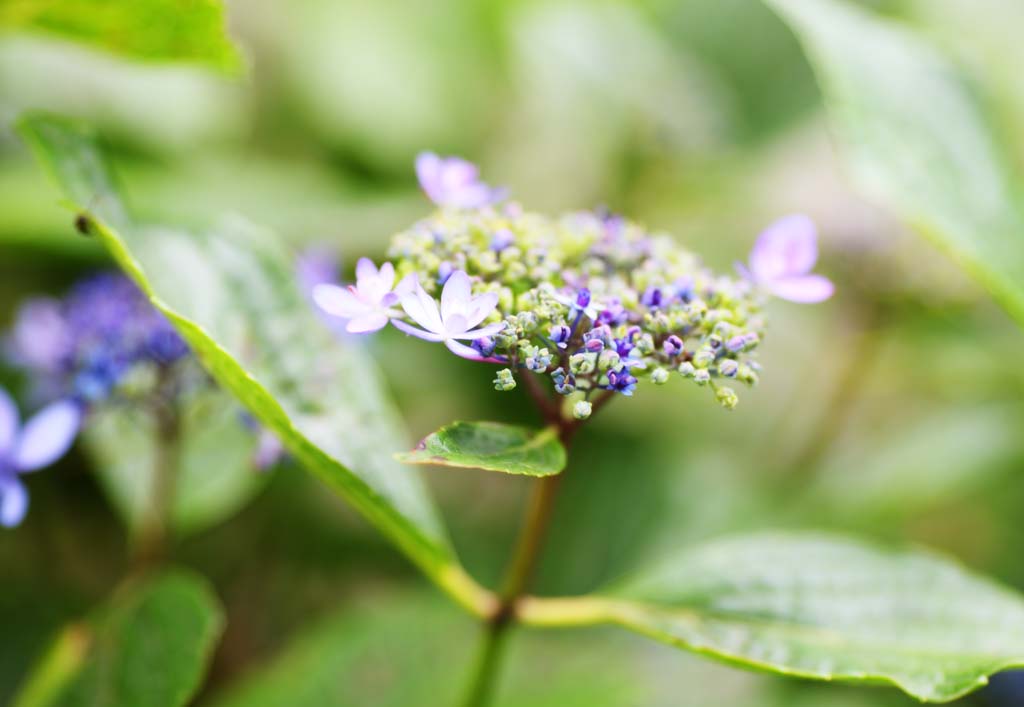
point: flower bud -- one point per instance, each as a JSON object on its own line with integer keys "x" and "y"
{"x": 582, "y": 364}
{"x": 673, "y": 346}
{"x": 701, "y": 376}
{"x": 727, "y": 397}
{"x": 728, "y": 368}
{"x": 582, "y": 409}
{"x": 608, "y": 359}
{"x": 659, "y": 376}
{"x": 484, "y": 346}
{"x": 686, "y": 369}
{"x": 505, "y": 381}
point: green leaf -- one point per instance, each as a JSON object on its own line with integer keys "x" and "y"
{"x": 408, "y": 649}
{"x": 156, "y": 30}
{"x": 216, "y": 473}
{"x": 915, "y": 139}
{"x": 491, "y": 446}
{"x": 232, "y": 294}
{"x": 821, "y": 607}
{"x": 148, "y": 647}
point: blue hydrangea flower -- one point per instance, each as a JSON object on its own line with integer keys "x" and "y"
{"x": 42, "y": 440}
{"x": 82, "y": 346}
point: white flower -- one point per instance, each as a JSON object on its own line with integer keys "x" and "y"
{"x": 458, "y": 314}
{"x": 371, "y": 302}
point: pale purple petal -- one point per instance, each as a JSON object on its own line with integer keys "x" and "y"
{"x": 462, "y": 350}
{"x": 480, "y": 307}
{"x": 406, "y": 285}
{"x": 413, "y": 331}
{"x": 365, "y": 269}
{"x": 364, "y": 324}
{"x": 387, "y": 275}
{"x": 8, "y": 422}
{"x": 46, "y": 436}
{"x": 428, "y": 172}
{"x": 455, "y": 296}
{"x": 786, "y": 248}
{"x": 457, "y": 173}
{"x": 13, "y": 501}
{"x": 488, "y": 330}
{"x": 338, "y": 301}
{"x": 806, "y": 289}
{"x": 422, "y": 308}
{"x": 316, "y": 266}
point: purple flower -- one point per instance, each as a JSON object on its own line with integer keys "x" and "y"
{"x": 269, "y": 450}
{"x": 83, "y": 345}
{"x": 25, "y": 448}
{"x": 484, "y": 346}
{"x": 454, "y": 182}
{"x": 622, "y": 382}
{"x": 501, "y": 240}
{"x": 444, "y": 271}
{"x": 371, "y": 302}
{"x": 673, "y": 346}
{"x": 782, "y": 258}
{"x": 456, "y": 318}
{"x": 652, "y": 298}
{"x": 579, "y": 302}
{"x": 560, "y": 335}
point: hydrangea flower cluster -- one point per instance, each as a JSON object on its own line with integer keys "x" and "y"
{"x": 101, "y": 343}
{"x": 590, "y": 301}
{"x": 84, "y": 346}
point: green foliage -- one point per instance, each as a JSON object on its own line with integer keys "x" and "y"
{"x": 215, "y": 472}
{"x": 148, "y": 647}
{"x": 491, "y": 446}
{"x": 233, "y": 296}
{"x": 915, "y": 139}
{"x": 157, "y": 30}
{"x": 821, "y": 607}
{"x": 407, "y": 649}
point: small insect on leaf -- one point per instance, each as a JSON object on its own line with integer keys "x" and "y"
{"x": 83, "y": 225}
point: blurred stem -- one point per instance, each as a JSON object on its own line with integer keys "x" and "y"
{"x": 525, "y": 557}
{"x": 151, "y": 546}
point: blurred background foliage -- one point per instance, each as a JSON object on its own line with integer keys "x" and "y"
{"x": 894, "y": 410}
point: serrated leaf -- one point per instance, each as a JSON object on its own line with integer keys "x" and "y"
{"x": 216, "y": 472}
{"x": 148, "y": 647}
{"x": 491, "y": 446}
{"x": 154, "y": 30}
{"x": 821, "y": 607}
{"x": 232, "y": 294}
{"x": 915, "y": 139}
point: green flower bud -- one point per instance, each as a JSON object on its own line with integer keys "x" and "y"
{"x": 608, "y": 359}
{"x": 505, "y": 380}
{"x": 686, "y": 369}
{"x": 582, "y": 364}
{"x": 659, "y": 376}
{"x": 727, "y": 397}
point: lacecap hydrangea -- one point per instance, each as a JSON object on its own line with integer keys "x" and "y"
{"x": 591, "y": 301}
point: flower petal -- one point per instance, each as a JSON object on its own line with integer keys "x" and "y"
{"x": 422, "y": 308}
{"x": 13, "y": 501}
{"x": 386, "y": 274}
{"x": 428, "y": 172}
{"x": 338, "y": 301}
{"x": 46, "y": 436}
{"x": 480, "y": 307}
{"x": 462, "y": 350}
{"x": 786, "y": 248}
{"x": 413, "y": 331}
{"x": 8, "y": 422}
{"x": 807, "y": 289}
{"x": 488, "y": 330}
{"x": 455, "y": 296}
{"x": 406, "y": 285}
{"x": 365, "y": 269}
{"x": 365, "y": 323}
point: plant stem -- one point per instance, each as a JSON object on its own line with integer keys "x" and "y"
{"x": 152, "y": 539}
{"x": 518, "y": 576}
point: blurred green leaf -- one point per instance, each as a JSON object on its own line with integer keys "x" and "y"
{"x": 148, "y": 647}
{"x": 407, "y": 649}
{"x": 233, "y": 296}
{"x": 492, "y": 446}
{"x": 821, "y": 607}
{"x": 157, "y": 30}
{"x": 216, "y": 474}
{"x": 916, "y": 140}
